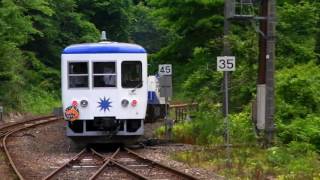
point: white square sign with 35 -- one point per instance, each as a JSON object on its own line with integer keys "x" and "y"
{"x": 226, "y": 63}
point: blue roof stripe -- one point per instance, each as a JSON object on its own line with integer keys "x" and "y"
{"x": 108, "y": 47}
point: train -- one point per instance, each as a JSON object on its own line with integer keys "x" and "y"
{"x": 105, "y": 91}
{"x": 156, "y": 104}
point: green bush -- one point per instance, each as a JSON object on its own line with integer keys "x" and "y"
{"x": 205, "y": 128}
{"x": 38, "y": 101}
{"x": 297, "y": 92}
{"x": 298, "y": 104}
{"x": 302, "y": 129}
{"x": 295, "y": 160}
{"x": 241, "y": 130}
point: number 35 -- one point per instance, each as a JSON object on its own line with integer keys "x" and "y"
{"x": 226, "y": 64}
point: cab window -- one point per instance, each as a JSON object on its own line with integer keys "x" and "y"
{"x": 104, "y": 74}
{"x": 78, "y": 74}
{"x": 131, "y": 74}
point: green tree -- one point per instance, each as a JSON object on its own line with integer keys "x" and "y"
{"x": 111, "y": 16}
{"x": 145, "y": 29}
{"x": 63, "y": 27}
{"x": 15, "y": 30}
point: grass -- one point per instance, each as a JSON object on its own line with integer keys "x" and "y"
{"x": 39, "y": 102}
{"x": 255, "y": 162}
{"x": 295, "y": 160}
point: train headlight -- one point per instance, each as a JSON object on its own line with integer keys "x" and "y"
{"x": 74, "y": 103}
{"x": 83, "y": 103}
{"x": 134, "y": 103}
{"x": 124, "y": 103}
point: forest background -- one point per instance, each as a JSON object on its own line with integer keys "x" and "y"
{"x": 187, "y": 34}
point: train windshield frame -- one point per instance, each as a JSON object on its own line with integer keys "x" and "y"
{"x": 131, "y": 74}
{"x": 78, "y": 74}
{"x": 104, "y": 74}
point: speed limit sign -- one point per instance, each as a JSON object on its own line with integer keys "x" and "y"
{"x": 165, "y": 69}
{"x": 226, "y": 63}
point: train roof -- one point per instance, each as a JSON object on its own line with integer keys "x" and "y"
{"x": 103, "y": 47}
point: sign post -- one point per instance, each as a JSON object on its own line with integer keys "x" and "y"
{"x": 226, "y": 64}
{"x": 165, "y": 81}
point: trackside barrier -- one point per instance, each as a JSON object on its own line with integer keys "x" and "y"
{"x": 182, "y": 111}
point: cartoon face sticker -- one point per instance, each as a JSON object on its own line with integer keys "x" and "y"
{"x": 71, "y": 113}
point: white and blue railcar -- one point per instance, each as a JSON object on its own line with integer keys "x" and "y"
{"x": 104, "y": 89}
{"x": 156, "y": 104}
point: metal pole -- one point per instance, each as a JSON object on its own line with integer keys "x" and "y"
{"x": 270, "y": 68}
{"x": 261, "y": 83}
{"x": 262, "y": 43}
{"x": 226, "y": 52}
{"x": 166, "y": 118}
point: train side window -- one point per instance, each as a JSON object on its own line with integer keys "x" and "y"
{"x": 131, "y": 74}
{"x": 104, "y": 74}
{"x": 78, "y": 75}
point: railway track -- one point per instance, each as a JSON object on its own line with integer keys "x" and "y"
{"x": 9, "y": 129}
{"x": 89, "y": 164}
{"x": 121, "y": 164}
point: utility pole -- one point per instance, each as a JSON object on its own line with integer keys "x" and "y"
{"x": 243, "y": 10}
{"x": 265, "y": 86}
{"x": 270, "y": 69}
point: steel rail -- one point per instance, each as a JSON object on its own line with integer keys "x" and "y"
{"x": 111, "y": 160}
{"x": 22, "y": 122}
{"x": 98, "y": 154}
{"x": 4, "y": 140}
{"x": 128, "y": 170}
{"x": 175, "y": 171}
{"x": 74, "y": 158}
{"x": 94, "y": 176}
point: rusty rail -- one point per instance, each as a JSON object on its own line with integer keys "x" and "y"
{"x": 43, "y": 120}
{"x": 111, "y": 161}
{"x": 74, "y": 158}
{"x": 175, "y": 171}
{"x": 95, "y": 175}
{"x": 9, "y": 125}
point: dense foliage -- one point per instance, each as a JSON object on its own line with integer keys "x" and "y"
{"x": 33, "y": 34}
{"x": 198, "y": 25}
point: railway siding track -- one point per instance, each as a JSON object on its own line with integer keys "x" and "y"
{"x": 110, "y": 162}
{"x": 121, "y": 164}
{"x": 176, "y": 173}
{"x": 7, "y": 130}
{"x": 83, "y": 164}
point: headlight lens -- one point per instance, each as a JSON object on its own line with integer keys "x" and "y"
{"x": 83, "y": 103}
{"x": 124, "y": 103}
{"x": 134, "y": 103}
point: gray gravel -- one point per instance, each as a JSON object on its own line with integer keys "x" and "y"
{"x": 39, "y": 151}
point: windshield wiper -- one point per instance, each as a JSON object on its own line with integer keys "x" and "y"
{"x": 135, "y": 88}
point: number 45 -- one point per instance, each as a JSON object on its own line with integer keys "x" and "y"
{"x": 165, "y": 69}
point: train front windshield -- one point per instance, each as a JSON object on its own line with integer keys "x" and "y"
{"x": 104, "y": 74}
{"x": 78, "y": 75}
{"x": 131, "y": 74}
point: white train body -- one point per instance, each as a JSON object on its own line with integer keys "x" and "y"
{"x": 107, "y": 82}
{"x": 154, "y": 91}
{"x": 156, "y": 104}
